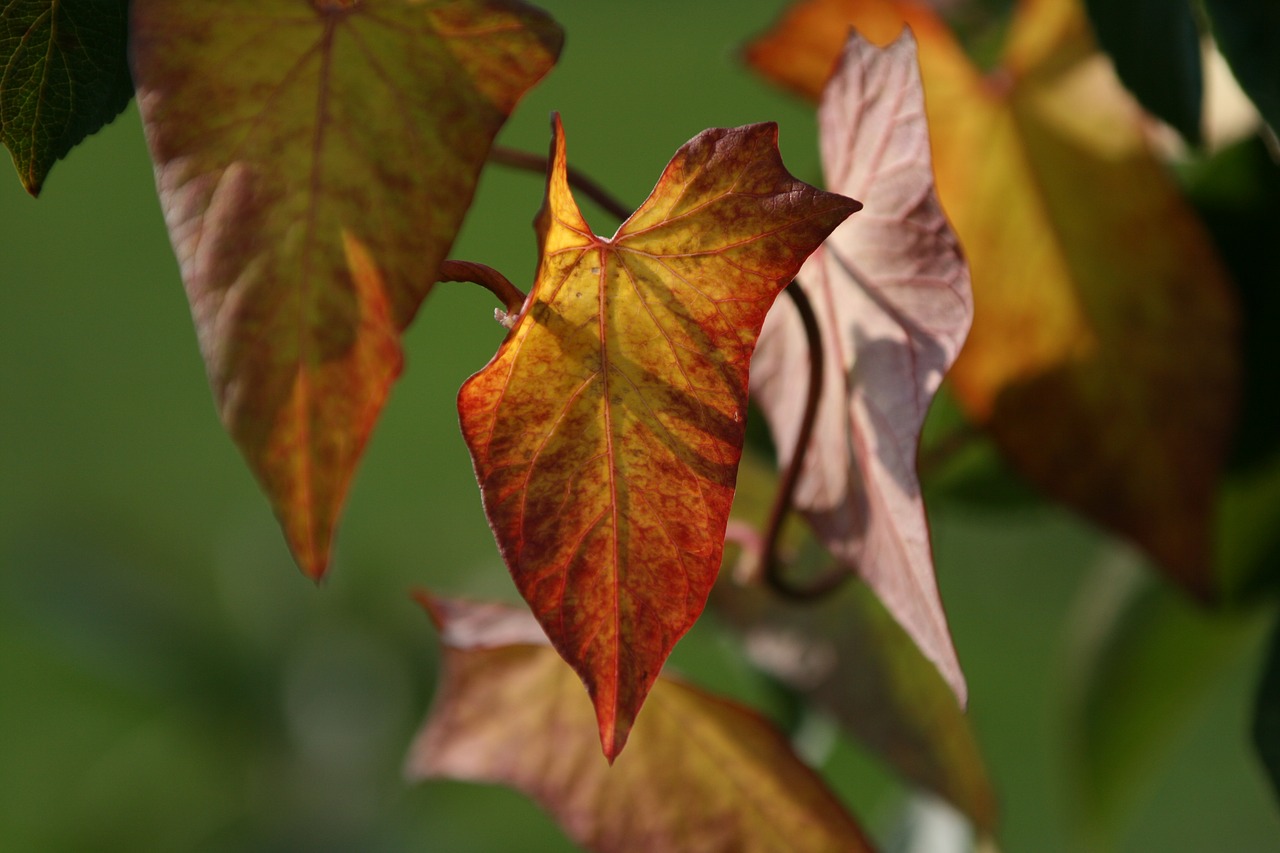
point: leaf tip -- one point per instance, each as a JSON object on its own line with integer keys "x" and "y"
{"x": 429, "y": 603}
{"x": 613, "y": 737}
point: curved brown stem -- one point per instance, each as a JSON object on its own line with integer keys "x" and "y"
{"x": 771, "y": 566}
{"x": 577, "y": 180}
{"x": 488, "y": 278}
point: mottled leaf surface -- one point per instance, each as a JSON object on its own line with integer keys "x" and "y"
{"x": 63, "y": 75}
{"x": 1102, "y": 356}
{"x": 314, "y": 161}
{"x": 607, "y": 430}
{"x": 705, "y": 774}
{"x": 891, "y": 293}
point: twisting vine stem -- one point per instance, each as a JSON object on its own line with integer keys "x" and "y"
{"x": 771, "y": 567}
{"x": 784, "y": 498}
{"x": 582, "y": 183}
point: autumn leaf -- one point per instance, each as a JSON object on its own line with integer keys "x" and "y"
{"x": 850, "y": 657}
{"x": 314, "y": 161}
{"x": 63, "y": 75}
{"x": 706, "y": 774}
{"x": 891, "y": 294}
{"x": 1102, "y": 357}
{"x": 606, "y": 431}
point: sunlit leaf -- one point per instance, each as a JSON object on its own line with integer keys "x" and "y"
{"x": 849, "y": 655}
{"x": 705, "y": 774}
{"x": 606, "y": 431}
{"x": 314, "y": 161}
{"x": 892, "y": 297}
{"x": 63, "y": 74}
{"x": 1102, "y": 356}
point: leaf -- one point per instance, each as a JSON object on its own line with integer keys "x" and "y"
{"x": 892, "y": 297}
{"x": 1142, "y": 661}
{"x": 852, "y": 659}
{"x": 1266, "y": 714}
{"x": 1247, "y": 32}
{"x": 1102, "y": 357}
{"x": 706, "y": 774}
{"x": 606, "y": 431}
{"x": 1155, "y": 45}
{"x": 314, "y": 162}
{"x": 63, "y": 75}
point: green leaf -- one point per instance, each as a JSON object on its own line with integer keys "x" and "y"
{"x": 1155, "y": 46}
{"x": 1143, "y": 660}
{"x": 1247, "y": 32}
{"x": 1266, "y": 714}
{"x": 65, "y": 74}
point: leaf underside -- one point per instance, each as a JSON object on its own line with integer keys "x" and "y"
{"x": 1102, "y": 356}
{"x": 891, "y": 293}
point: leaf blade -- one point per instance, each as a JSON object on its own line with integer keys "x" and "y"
{"x": 607, "y": 430}
{"x": 65, "y": 76}
{"x": 850, "y": 657}
{"x": 1155, "y": 45}
{"x": 708, "y": 774}
{"x": 892, "y": 293}
{"x": 1102, "y": 306}
{"x": 311, "y": 193}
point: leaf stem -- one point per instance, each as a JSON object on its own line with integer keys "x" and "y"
{"x": 771, "y": 566}
{"x": 488, "y": 278}
{"x": 537, "y": 163}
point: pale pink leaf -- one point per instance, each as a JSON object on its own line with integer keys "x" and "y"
{"x": 891, "y": 291}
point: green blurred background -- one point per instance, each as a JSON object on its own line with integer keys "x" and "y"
{"x": 170, "y": 681}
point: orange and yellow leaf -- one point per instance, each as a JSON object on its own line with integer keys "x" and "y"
{"x": 607, "y": 430}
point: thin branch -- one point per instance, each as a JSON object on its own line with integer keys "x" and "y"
{"x": 771, "y": 566}
{"x": 537, "y": 163}
{"x": 491, "y": 280}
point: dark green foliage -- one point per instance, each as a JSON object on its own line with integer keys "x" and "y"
{"x": 65, "y": 75}
{"x": 1266, "y": 719}
{"x": 1155, "y": 46}
{"x": 1246, "y": 31}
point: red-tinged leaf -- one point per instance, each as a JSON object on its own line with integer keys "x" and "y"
{"x": 854, "y": 661}
{"x": 891, "y": 293}
{"x": 314, "y": 161}
{"x": 705, "y": 774}
{"x": 606, "y": 431}
{"x": 1102, "y": 356}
